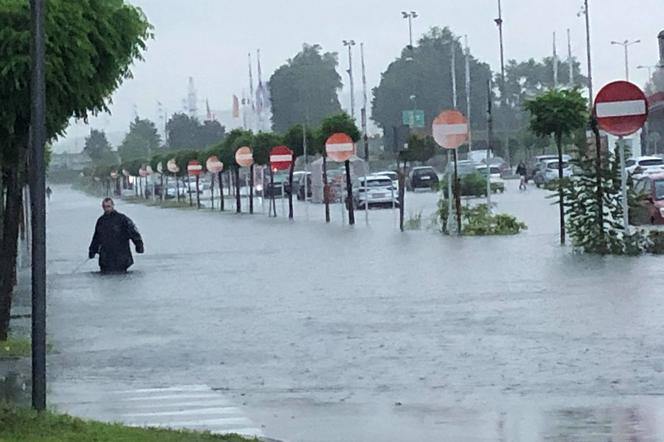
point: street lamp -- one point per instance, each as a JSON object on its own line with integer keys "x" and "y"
{"x": 349, "y": 44}
{"x": 503, "y": 98}
{"x": 410, "y": 16}
{"x": 649, "y": 68}
{"x": 626, "y": 44}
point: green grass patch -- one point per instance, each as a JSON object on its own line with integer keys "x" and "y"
{"x": 27, "y": 425}
{"x": 15, "y": 348}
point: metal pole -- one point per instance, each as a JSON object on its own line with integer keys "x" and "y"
{"x": 454, "y": 79}
{"x": 623, "y": 184}
{"x": 503, "y": 98}
{"x": 457, "y": 194}
{"x": 38, "y": 204}
{"x": 589, "y": 54}
{"x": 468, "y": 101}
{"x": 626, "y": 61}
{"x": 410, "y": 29}
{"x": 555, "y": 62}
{"x": 570, "y": 60}
{"x": 489, "y": 113}
{"x": 450, "y": 174}
{"x": 365, "y": 103}
{"x": 352, "y": 83}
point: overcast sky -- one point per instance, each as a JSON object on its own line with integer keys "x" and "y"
{"x": 209, "y": 41}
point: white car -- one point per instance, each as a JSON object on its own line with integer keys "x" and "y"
{"x": 547, "y": 171}
{"x": 640, "y": 167}
{"x": 377, "y": 191}
{"x": 495, "y": 177}
{"x": 392, "y": 175}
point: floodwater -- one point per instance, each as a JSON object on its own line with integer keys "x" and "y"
{"x": 303, "y": 331}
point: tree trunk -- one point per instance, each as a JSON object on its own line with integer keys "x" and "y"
{"x": 191, "y": 199}
{"x": 349, "y": 196}
{"x": 221, "y": 191}
{"x": 559, "y": 145}
{"x": 9, "y": 247}
{"x": 290, "y": 193}
{"x": 238, "y": 199}
{"x": 402, "y": 195}
{"x": 326, "y": 191}
{"x": 273, "y": 203}
{"x": 198, "y": 195}
{"x": 600, "y": 190}
{"x": 251, "y": 189}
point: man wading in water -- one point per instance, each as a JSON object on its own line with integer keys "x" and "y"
{"x": 111, "y": 240}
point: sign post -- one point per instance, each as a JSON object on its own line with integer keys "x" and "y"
{"x": 450, "y": 130}
{"x": 341, "y": 148}
{"x": 281, "y": 158}
{"x": 621, "y": 109}
{"x": 195, "y": 168}
{"x": 215, "y": 167}
{"x": 244, "y": 157}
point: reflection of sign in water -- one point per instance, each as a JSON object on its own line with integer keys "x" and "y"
{"x": 413, "y": 118}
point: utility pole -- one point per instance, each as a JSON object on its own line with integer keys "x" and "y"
{"x": 468, "y": 101}
{"x": 503, "y": 98}
{"x": 350, "y": 44}
{"x": 410, "y": 16}
{"x": 365, "y": 104}
{"x": 38, "y": 203}
{"x": 555, "y": 63}
{"x": 626, "y": 44}
{"x": 570, "y": 59}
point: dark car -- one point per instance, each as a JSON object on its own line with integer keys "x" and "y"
{"x": 280, "y": 185}
{"x": 422, "y": 178}
{"x": 650, "y": 207}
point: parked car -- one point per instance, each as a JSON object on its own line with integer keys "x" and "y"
{"x": 497, "y": 182}
{"x": 650, "y": 208}
{"x": 392, "y": 175}
{"x": 644, "y": 166}
{"x": 534, "y": 162}
{"x": 424, "y": 177}
{"x": 376, "y": 191}
{"x": 278, "y": 187}
{"x": 547, "y": 171}
{"x": 299, "y": 187}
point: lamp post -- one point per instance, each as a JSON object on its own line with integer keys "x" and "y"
{"x": 349, "y": 44}
{"x": 409, "y": 16}
{"x": 38, "y": 202}
{"x": 649, "y": 68}
{"x": 499, "y": 23}
{"x": 626, "y": 44}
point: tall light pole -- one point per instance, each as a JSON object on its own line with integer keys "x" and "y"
{"x": 349, "y": 44}
{"x": 649, "y": 68}
{"x": 626, "y": 44}
{"x": 467, "y": 66}
{"x": 365, "y": 104}
{"x": 499, "y": 23}
{"x": 38, "y": 203}
{"x": 409, "y": 16}
{"x": 586, "y": 12}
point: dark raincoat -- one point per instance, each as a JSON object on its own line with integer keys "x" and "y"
{"x": 111, "y": 240}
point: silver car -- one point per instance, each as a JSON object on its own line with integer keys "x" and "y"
{"x": 376, "y": 191}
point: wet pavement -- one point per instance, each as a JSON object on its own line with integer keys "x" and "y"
{"x": 331, "y": 333}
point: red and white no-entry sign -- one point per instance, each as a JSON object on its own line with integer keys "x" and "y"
{"x": 213, "y": 165}
{"x": 621, "y": 108}
{"x": 143, "y": 172}
{"x": 172, "y": 166}
{"x": 244, "y": 156}
{"x": 194, "y": 168}
{"x": 340, "y": 147}
{"x": 281, "y": 158}
{"x": 450, "y": 129}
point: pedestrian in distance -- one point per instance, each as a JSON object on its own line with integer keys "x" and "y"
{"x": 49, "y": 192}
{"x": 111, "y": 239}
{"x": 523, "y": 176}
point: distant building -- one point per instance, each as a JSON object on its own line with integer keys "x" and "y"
{"x": 76, "y": 162}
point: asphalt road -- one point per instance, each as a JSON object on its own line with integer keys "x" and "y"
{"x": 304, "y": 331}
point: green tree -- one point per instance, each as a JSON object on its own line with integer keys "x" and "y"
{"x": 419, "y": 149}
{"x": 341, "y": 122}
{"x": 294, "y": 139}
{"x": 182, "y": 132}
{"x": 263, "y": 143}
{"x": 88, "y": 57}
{"x": 421, "y": 78}
{"x": 656, "y": 83}
{"x": 305, "y": 88}
{"x": 141, "y": 141}
{"x": 98, "y": 148}
{"x": 559, "y": 113}
{"x": 210, "y": 133}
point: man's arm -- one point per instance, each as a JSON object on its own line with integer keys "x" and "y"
{"x": 134, "y": 235}
{"x": 94, "y": 244}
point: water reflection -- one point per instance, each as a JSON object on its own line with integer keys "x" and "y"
{"x": 14, "y": 389}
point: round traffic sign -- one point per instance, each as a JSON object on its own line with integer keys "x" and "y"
{"x": 160, "y": 167}
{"x": 281, "y": 158}
{"x": 450, "y": 129}
{"x": 244, "y": 156}
{"x": 126, "y": 173}
{"x": 172, "y": 166}
{"x": 339, "y": 147}
{"x": 114, "y": 174}
{"x": 213, "y": 165}
{"x": 194, "y": 168}
{"x": 621, "y": 108}
{"x": 143, "y": 172}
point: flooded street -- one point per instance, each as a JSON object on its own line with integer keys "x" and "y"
{"x": 330, "y": 333}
